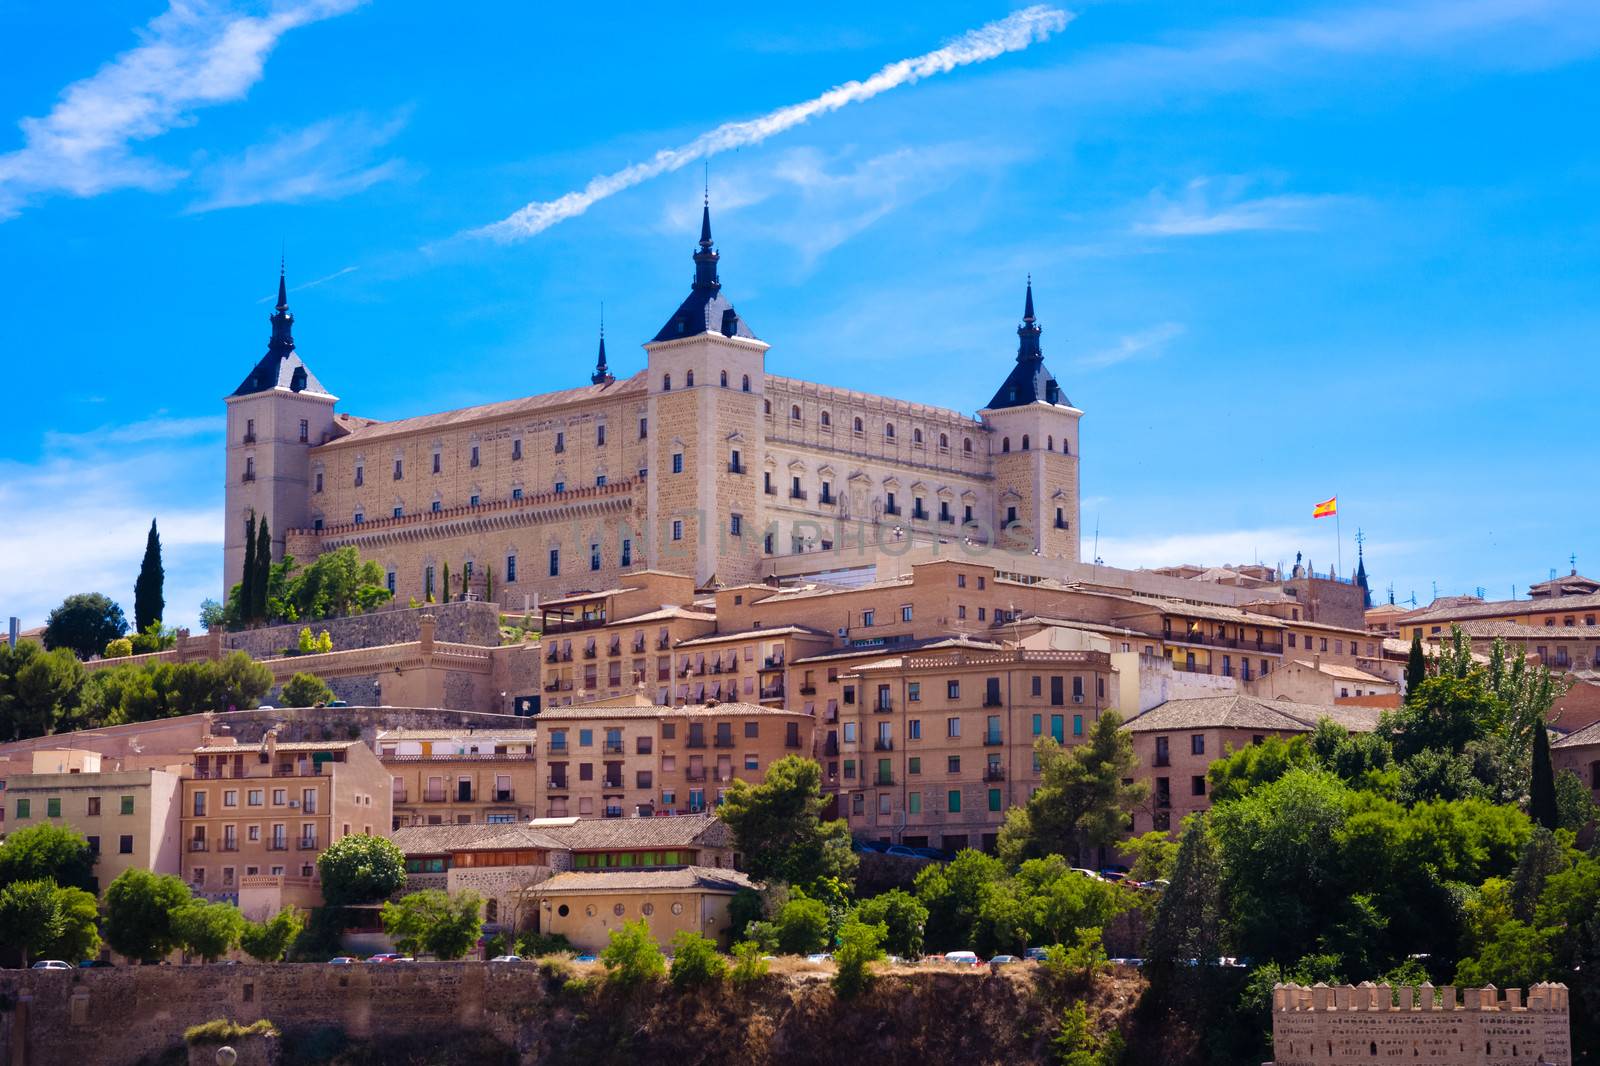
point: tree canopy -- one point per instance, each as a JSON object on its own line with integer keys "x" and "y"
{"x": 84, "y": 623}
{"x": 779, "y": 828}
{"x": 360, "y": 869}
{"x": 139, "y": 909}
{"x": 149, "y": 601}
{"x": 335, "y": 584}
{"x": 46, "y": 852}
{"x": 1085, "y": 795}
{"x": 437, "y": 923}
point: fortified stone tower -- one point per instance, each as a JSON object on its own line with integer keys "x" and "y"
{"x": 274, "y": 418}
{"x": 706, "y": 380}
{"x": 1034, "y": 445}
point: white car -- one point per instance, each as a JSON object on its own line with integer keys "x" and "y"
{"x": 963, "y": 958}
{"x": 52, "y": 964}
{"x": 1088, "y": 873}
{"x": 507, "y": 958}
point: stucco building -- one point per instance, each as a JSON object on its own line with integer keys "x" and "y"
{"x": 587, "y": 908}
{"x": 456, "y": 776}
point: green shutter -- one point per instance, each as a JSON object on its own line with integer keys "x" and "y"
{"x": 994, "y": 799}
{"x": 955, "y": 801}
{"x": 914, "y": 803}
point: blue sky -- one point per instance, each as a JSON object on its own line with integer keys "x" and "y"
{"x": 1280, "y": 250}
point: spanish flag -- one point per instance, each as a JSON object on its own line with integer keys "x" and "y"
{"x": 1326, "y": 508}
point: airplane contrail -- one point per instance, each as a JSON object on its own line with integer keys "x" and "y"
{"x": 1010, "y": 34}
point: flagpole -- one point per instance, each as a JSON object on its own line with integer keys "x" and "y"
{"x": 1338, "y": 534}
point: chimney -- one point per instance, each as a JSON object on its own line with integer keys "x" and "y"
{"x": 425, "y": 628}
{"x": 269, "y": 743}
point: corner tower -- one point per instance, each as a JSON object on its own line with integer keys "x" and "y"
{"x": 275, "y": 417}
{"x": 707, "y": 375}
{"x": 1033, "y": 445}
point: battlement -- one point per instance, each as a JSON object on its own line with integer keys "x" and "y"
{"x": 1484, "y": 1027}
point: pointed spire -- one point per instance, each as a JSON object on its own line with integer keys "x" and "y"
{"x": 282, "y": 342}
{"x": 705, "y": 260}
{"x": 1028, "y": 332}
{"x": 602, "y": 373}
{"x": 283, "y": 291}
{"x": 1027, "y": 307}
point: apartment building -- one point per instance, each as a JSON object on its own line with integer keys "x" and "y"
{"x": 129, "y": 817}
{"x": 461, "y": 776}
{"x": 616, "y": 761}
{"x": 255, "y": 818}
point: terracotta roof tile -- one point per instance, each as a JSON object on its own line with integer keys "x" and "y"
{"x": 714, "y": 879}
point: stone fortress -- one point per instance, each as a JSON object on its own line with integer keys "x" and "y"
{"x": 700, "y": 463}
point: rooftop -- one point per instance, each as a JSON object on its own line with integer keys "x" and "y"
{"x": 282, "y": 748}
{"x": 607, "y": 834}
{"x": 439, "y": 839}
{"x": 1245, "y": 712}
{"x": 1343, "y": 673}
{"x": 519, "y": 736}
{"x": 709, "y": 878}
{"x": 582, "y": 712}
{"x": 1501, "y": 608}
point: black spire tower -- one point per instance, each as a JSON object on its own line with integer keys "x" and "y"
{"x": 705, "y": 309}
{"x": 1029, "y": 381}
{"x": 602, "y": 373}
{"x": 281, "y": 367}
{"x": 282, "y": 342}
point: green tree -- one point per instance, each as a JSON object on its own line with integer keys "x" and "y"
{"x": 745, "y": 907}
{"x": 84, "y": 624}
{"x": 860, "y": 945}
{"x": 446, "y": 597}
{"x": 1189, "y": 915}
{"x": 1517, "y": 955}
{"x": 209, "y": 930}
{"x": 802, "y": 926}
{"x": 632, "y": 957}
{"x": 138, "y": 914}
{"x": 442, "y": 925}
{"x": 1417, "y": 665}
{"x": 1542, "y": 785}
{"x": 749, "y": 964}
{"x": 1575, "y": 806}
{"x": 212, "y": 615}
{"x": 1085, "y": 796}
{"x": 148, "y": 601}
{"x": 903, "y": 917}
{"x": 1153, "y": 853}
{"x": 779, "y": 828}
{"x": 245, "y": 590}
{"x": 80, "y": 925}
{"x": 1542, "y": 857}
{"x": 269, "y": 941}
{"x": 1238, "y": 772}
{"x": 120, "y": 648}
{"x": 262, "y": 578}
{"x": 953, "y": 893}
{"x": 30, "y": 917}
{"x": 695, "y": 961}
{"x": 1076, "y": 1042}
{"x": 1074, "y": 967}
{"x": 360, "y": 869}
{"x": 154, "y": 637}
{"x": 305, "y": 690}
{"x": 47, "y": 852}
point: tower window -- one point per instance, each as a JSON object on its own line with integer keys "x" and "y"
{"x": 688, "y": 379}
{"x": 944, "y": 442}
{"x": 745, "y": 384}
{"x": 555, "y": 562}
{"x": 438, "y": 461}
{"x": 516, "y": 448}
{"x": 1061, "y": 518}
{"x": 561, "y": 443}
{"x": 474, "y": 460}
{"x": 600, "y": 435}
{"x": 677, "y": 529}
{"x": 916, "y": 436}
{"x": 644, "y": 428}
{"x": 677, "y": 462}
{"x": 511, "y": 568}
{"x": 305, "y": 431}
{"x": 594, "y": 557}
{"x": 856, "y": 426}
{"x": 826, "y": 420}
{"x": 888, "y": 431}
{"x": 626, "y": 558}
{"x": 249, "y": 431}
{"x": 736, "y": 525}
{"x": 399, "y": 469}
{"x": 666, "y": 382}
{"x": 1011, "y": 516}
{"x": 397, "y": 513}
{"x": 1024, "y": 442}
{"x": 724, "y": 379}
{"x": 966, "y": 445}
{"x": 250, "y": 468}
{"x": 360, "y": 518}
{"x": 794, "y": 413}
{"x": 361, "y": 476}
{"x": 1005, "y": 444}
{"x": 1050, "y": 443}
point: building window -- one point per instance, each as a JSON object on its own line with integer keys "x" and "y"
{"x": 360, "y": 518}
{"x": 399, "y": 469}
{"x": 866, "y": 618}
{"x": 666, "y": 382}
{"x": 914, "y": 803}
{"x": 305, "y": 431}
{"x": 397, "y": 512}
{"x": 952, "y": 727}
{"x": 516, "y": 493}
{"x": 905, "y": 613}
{"x": 723, "y": 379}
{"x": 600, "y": 435}
{"x": 688, "y": 379}
{"x": 857, "y": 426}
{"x": 473, "y": 461}
{"x": 1197, "y": 744}
{"x": 736, "y": 524}
{"x": 389, "y": 579}
{"x": 994, "y": 799}
{"x": 677, "y": 462}
{"x": 594, "y": 556}
{"x": 555, "y": 562}
{"x": 361, "y": 476}
{"x": 794, "y": 413}
{"x": 953, "y": 801}
{"x": 825, "y": 420}
{"x": 952, "y": 691}
{"x": 516, "y": 448}
{"x": 744, "y": 385}
{"x": 437, "y": 462}
{"x": 627, "y": 552}
{"x": 677, "y": 529}
{"x": 914, "y": 729}
{"x": 913, "y": 691}
{"x": 125, "y": 844}
{"x": 511, "y": 568}
{"x": 600, "y": 481}
{"x": 888, "y": 431}
{"x": 1197, "y": 785}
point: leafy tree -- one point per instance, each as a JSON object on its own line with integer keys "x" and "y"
{"x": 1238, "y": 772}
{"x": 1044, "y": 901}
{"x": 745, "y": 907}
{"x": 438, "y": 923}
{"x": 1084, "y": 797}
{"x": 533, "y": 944}
{"x": 47, "y": 852}
{"x": 1444, "y": 713}
{"x": 120, "y": 648}
{"x": 148, "y": 601}
{"x": 262, "y": 578}
{"x": 1077, "y": 1043}
{"x": 84, "y": 624}
{"x": 44, "y": 692}
{"x": 360, "y": 869}
{"x": 802, "y": 926}
{"x": 953, "y": 894}
{"x": 903, "y": 918}
{"x": 305, "y": 690}
{"x": 1517, "y": 955}
{"x": 446, "y": 597}
{"x": 1153, "y": 854}
{"x": 212, "y": 615}
{"x": 1074, "y": 967}
{"x": 1542, "y": 786}
{"x": 695, "y": 962}
{"x": 1189, "y": 916}
{"x": 1417, "y": 665}
{"x": 632, "y": 957}
{"x": 1575, "y": 806}
{"x": 779, "y": 828}
{"x": 749, "y": 965}
{"x": 269, "y": 941}
{"x": 245, "y": 591}
{"x": 154, "y": 637}
{"x": 1542, "y": 857}
{"x": 139, "y": 910}
{"x": 860, "y": 945}
{"x": 30, "y": 917}
{"x": 209, "y": 930}
{"x": 80, "y": 925}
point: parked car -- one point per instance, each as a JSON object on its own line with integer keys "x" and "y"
{"x": 52, "y": 964}
{"x": 963, "y": 958}
{"x": 337, "y": 703}
{"x": 95, "y": 964}
{"x": 1158, "y": 885}
{"x": 902, "y": 851}
{"x": 586, "y": 957}
{"x": 1087, "y": 873}
{"x": 1135, "y": 963}
{"x": 508, "y": 958}
{"x": 869, "y": 845}
{"x": 1036, "y": 954}
{"x": 1002, "y": 960}
{"x": 820, "y": 956}
{"x": 386, "y": 956}
{"x": 343, "y": 960}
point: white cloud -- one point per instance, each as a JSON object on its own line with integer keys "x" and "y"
{"x": 196, "y": 54}
{"x": 1210, "y": 206}
{"x": 1010, "y": 34}
{"x": 76, "y": 521}
{"x": 1206, "y": 548}
{"x": 323, "y": 161}
{"x": 1145, "y": 343}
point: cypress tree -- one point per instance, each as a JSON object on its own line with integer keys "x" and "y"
{"x": 263, "y": 572}
{"x": 1542, "y": 787}
{"x": 1417, "y": 667}
{"x": 446, "y": 597}
{"x": 247, "y": 579}
{"x": 148, "y": 602}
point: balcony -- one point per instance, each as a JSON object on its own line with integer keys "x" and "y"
{"x": 695, "y": 741}
{"x": 557, "y": 784}
{"x": 555, "y": 748}
{"x": 808, "y": 689}
{"x": 791, "y": 742}
{"x": 430, "y": 796}
{"x": 919, "y": 515}
{"x": 613, "y": 747}
{"x": 773, "y": 693}
{"x": 883, "y": 706}
{"x": 769, "y": 490}
{"x": 614, "y": 648}
{"x": 772, "y": 662}
{"x": 306, "y": 844}
{"x": 228, "y": 845}
{"x": 736, "y": 468}
{"x": 883, "y": 779}
{"x": 249, "y": 475}
{"x": 993, "y": 701}
{"x": 400, "y": 795}
{"x": 830, "y": 746}
{"x": 994, "y": 773}
{"x": 611, "y": 783}
{"x": 197, "y": 845}
{"x": 277, "y": 845}
{"x": 694, "y": 776}
{"x": 663, "y": 643}
{"x": 589, "y": 653}
{"x": 504, "y": 795}
{"x": 613, "y": 812}
{"x": 638, "y": 646}
{"x": 248, "y": 438}
{"x": 883, "y": 744}
{"x": 891, "y": 509}
{"x": 723, "y": 741}
{"x": 797, "y": 494}
{"x": 1163, "y": 759}
{"x": 827, "y": 497}
{"x": 993, "y": 740}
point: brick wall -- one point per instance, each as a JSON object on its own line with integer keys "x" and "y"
{"x": 458, "y": 623}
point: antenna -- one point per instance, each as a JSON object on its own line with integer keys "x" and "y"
{"x": 1097, "y": 538}
{"x": 1436, "y": 590}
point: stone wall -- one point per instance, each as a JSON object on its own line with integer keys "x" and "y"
{"x": 1364, "y": 1024}
{"x": 458, "y": 623}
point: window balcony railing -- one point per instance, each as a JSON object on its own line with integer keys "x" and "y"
{"x": 557, "y": 748}
{"x": 431, "y": 796}
{"x": 400, "y": 796}
{"x": 228, "y": 845}
{"x": 611, "y": 782}
{"x": 307, "y": 843}
{"x": 808, "y": 689}
{"x": 994, "y": 773}
{"x": 723, "y": 742}
{"x": 198, "y": 845}
{"x": 883, "y": 744}
{"x": 797, "y": 494}
{"x": 773, "y": 693}
{"x": 277, "y": 845}
{"x": 558, "y": 784}
{"x": 993, "y": 701}
{"x": 1163, "y": 759}
{"x": 883, "y": 779}
{"x": 504, "y": 795}
{"x": 695, "y": 776}
{"x": 993, "y": 740}
{"x": 695, "y": 742}
{"x": 791, "y": 742}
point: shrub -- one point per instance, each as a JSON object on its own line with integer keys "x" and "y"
{"x": 556, "y": 970}
{"x": 802, "y": 926}
{"x": 268, "y": 941}
{"x": 902, "y": 915}
{"x": 532, "y": 945}
{"x": 223, "y": 1030}
{"x": 695, "y": 961}
{"x": 119, "y": 648}
{"x": 443, "y": 924}
{"x": 1077, "y": 1044}
{"x": 749, "y": 965}
{"x": 361, "y": 869}
{"x": 1077, "y": 966}
{"x": 305, "y": 690}
{"x": 859, "y": 945}
{"x": 633, "y": 957}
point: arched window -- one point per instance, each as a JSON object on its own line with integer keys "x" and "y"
{"x": 1050, "y": 443}
{"x": 826, "y": 419}
{"x": 766, "y": 407}
{"x": 966, "y": 445}
{"x": 666, "y": 382}
{"x": 745, "y": 386}
{"x": 688, "y": 379}
{"x": 916, "y": 436}
{"x": 888, "y": 431}
{"x": 1005, "y": 444}
{"x": 858, "y": 426}
{"x": 944, "y": 442}
{"x": 1065, "y": 450}
{"x": 724, "y": 379}
{"x": 1024, "y": 442}
{"x": 794, "y": 412}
